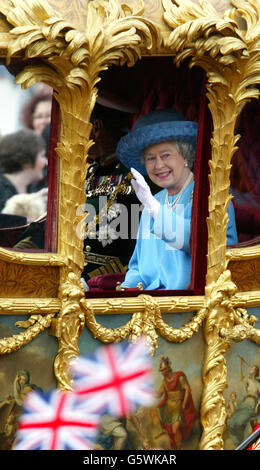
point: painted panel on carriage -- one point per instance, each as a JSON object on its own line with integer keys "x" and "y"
{"x": 177, "y": 370}
{"x": 30, "y": 368}
{"x": 243, "y": 389}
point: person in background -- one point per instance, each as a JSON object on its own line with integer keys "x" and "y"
{"x": 36, "y": 113}
{"x": 162, "y": 144}
{"x": 22, "y": 162}
{"x": 33, "y": 206}
{"x": 43, "y": 183}
{"x": 107, "y": 178}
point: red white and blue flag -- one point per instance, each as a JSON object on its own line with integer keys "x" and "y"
{"x": 118, "y": 377}
{"x": 56, "y": 421}
{"x": 115, "y": 381}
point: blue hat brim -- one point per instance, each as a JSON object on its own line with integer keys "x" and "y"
{"x": 131, "y": 146}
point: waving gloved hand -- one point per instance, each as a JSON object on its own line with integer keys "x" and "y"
{"x": 144, "y": 194}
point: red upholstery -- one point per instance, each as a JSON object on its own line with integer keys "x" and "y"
{"x": 106, "y": 281}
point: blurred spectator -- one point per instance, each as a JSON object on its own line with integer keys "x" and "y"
{"x": 22, "y": 162}
{"x": 36, "y": 113}
{"x": 43, "y": 183}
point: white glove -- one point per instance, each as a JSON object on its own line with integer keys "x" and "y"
{"x": 144, "y": 194}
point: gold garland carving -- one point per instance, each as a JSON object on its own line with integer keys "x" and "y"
{"x": 34, "y": 326}
{"x": 144, "y": 323}
{"x": 141, "y": 324}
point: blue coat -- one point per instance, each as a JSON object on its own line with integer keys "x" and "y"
{"x": 161, "y": 259}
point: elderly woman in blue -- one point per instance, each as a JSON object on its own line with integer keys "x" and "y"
{"x": 162, "y": 145}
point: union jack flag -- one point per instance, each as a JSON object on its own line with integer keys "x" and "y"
{"x": 118, "y": 377}
{"x": 56, "y": 421}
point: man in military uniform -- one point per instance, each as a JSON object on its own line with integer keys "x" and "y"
{"x": 109, "y": 192}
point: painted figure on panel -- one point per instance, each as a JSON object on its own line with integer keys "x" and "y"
{"x": 112, "y": 434}
{"x": 247, "y": 411}
{"x": 165, "y": 425}
{"x": 10, "y": 407}
{"x": 231, "y": 405}
{"x": 176, "y": 408}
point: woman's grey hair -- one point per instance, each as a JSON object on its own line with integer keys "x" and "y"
{"x": 186, "y": 149}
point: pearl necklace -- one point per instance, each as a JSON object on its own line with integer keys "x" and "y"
{"x": 172, "y": 205}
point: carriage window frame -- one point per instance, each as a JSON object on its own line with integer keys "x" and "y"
{"x": 199, "y": 244}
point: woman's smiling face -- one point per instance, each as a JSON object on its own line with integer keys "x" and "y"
{"x": 166, "y": 167}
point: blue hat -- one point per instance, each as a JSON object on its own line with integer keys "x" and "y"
{"x": 157, "y": 126}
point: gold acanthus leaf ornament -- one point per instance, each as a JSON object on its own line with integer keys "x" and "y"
{"x": 218, "y": 43}
{"x": 113, "y": 34}
{"x": 200, "y": 29}
{"x": 214, "y": 40}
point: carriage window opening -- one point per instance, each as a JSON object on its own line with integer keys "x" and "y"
{"x": 154, "y": 84}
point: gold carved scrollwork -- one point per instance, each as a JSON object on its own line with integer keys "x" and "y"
{"x": 220, "y": 314}
{"x": 69, "y": 326}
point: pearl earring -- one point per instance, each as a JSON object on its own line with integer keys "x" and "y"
{"x": 186, "y": 164}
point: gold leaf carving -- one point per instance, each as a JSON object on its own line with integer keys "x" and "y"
{"x": 221, "y": 315}
{"x": 215, "y": 42}
{"x": 244, "y": 328}
{"x": 34, "y": 327}
{"x": 141, "y": 324}
{"x": 70, "y": 323}
{"x": 145, "y": 323}
{"x": 71, "y": 63}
